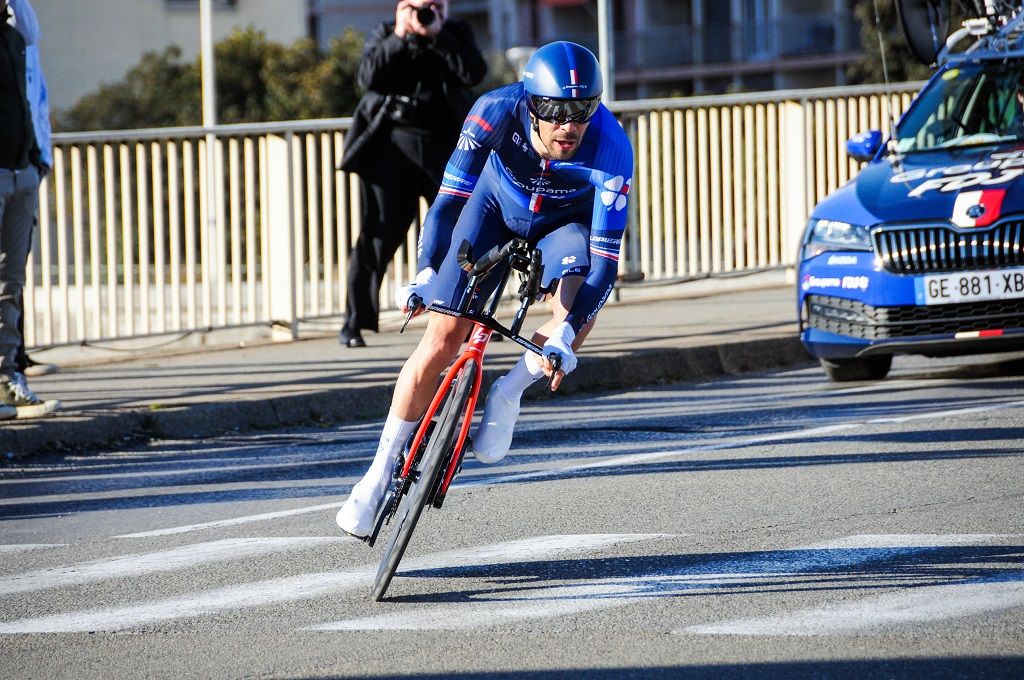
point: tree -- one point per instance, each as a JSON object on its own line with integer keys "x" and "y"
{"x": 500, "y": 71}
{"x": 258, "y": 80}
{"x": 902, "y": 64}
{"x": 240, "y": 62}
{"x": 160, "y": 91}
{"x": 338, "y": 85}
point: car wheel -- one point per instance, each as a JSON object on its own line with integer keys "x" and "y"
{"x": 864, "y": 368}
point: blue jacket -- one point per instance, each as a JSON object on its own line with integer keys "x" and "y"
{"x": 28, "y": 25}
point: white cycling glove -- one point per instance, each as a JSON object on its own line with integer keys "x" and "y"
{"x": 422, "y": 286}
{"x": 560, "y": 342}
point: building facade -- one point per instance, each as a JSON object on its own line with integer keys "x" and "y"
{"x": 662, "y": 47}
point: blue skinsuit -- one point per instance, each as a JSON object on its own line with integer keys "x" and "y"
{"x": 496, "y": 187}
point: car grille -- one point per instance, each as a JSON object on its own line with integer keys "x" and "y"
{"x": 925, "y": 249}
{"x": 857, "y": 320}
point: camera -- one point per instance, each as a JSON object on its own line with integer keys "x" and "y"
{"x": 402, "y": 109}
{"x": 426, "y": 15}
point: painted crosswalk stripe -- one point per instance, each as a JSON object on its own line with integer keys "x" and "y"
{"x": 544, "y": 603}
{"x": 796, "y": 566}
{"x": 653, "y": 456}
{"x": 915, "y": 540}
{"x": 233, "y": 521}
{"x": 127, "y": 566}
{"x": 914, "y": 605}
{"x": 308, "y": 586}
{"x": 919, "y": 604}
{"x": 615, "y": 461}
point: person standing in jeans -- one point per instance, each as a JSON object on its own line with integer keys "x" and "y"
{"x": 417, "y": 72}
{"x": 19, "y": 201}
{"x": 39, "y": 102}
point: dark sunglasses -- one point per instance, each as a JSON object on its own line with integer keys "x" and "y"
{"x": 562, "y": 111}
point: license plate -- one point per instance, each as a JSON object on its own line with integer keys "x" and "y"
{"x": 993, "y": 284}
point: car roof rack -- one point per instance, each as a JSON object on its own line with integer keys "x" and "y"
{"x": 1000, "y": 36}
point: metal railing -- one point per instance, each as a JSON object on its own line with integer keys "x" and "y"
{"x": 133, "y": 240}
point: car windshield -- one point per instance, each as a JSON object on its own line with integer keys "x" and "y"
{"x": 967, "y": 105}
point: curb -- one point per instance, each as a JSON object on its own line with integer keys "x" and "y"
{"x": 84, "y": 429}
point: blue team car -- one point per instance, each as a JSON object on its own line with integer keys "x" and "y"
{"x": 921, "y": 253}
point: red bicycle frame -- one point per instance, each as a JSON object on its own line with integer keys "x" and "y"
{"x": 474, "y": 350}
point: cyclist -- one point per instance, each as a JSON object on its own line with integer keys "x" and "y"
{"x": 541, "y": 159}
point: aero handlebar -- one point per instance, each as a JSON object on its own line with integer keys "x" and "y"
{"x": 490, "y": 258}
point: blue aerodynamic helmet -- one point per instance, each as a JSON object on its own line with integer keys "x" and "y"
{"x": 563, "y": 83}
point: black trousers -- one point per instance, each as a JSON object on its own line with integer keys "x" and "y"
{"x": 20, "y": 357}
{"x": 408, "y": 165}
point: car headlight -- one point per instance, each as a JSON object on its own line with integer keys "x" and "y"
{"x": 824, "y": 235}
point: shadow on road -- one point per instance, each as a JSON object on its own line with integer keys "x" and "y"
{"x": 931, "y": 668}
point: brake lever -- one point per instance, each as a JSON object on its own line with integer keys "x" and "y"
{"x": 556, "y": 363}
{"x": 415, "y": 303}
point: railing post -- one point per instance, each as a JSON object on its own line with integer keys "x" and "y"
{"x": 793, "y": 175}
{"x": 281, "y": 213}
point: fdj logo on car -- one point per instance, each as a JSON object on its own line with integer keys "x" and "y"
{"x": 1008, "y": 165}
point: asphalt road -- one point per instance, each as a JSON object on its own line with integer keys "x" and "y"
{"x": 773, "y": 525}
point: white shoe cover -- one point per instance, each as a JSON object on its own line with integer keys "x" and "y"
{"x": 357, "y": 515}
{"x": 494, "y": 436}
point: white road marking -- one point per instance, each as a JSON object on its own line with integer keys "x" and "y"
{"x": 308, "y": 586}
{"x": 609, "y": 462}
{"x": 638, "y": 458}
{"x": 87, "y": 474}
{"x": 916, "y": 605}
{"x": 233, "y": 521}
{"x": 914, "y": 540}
{"x": 546, "y": 603}
{"x": 501, "y": 604}
{"x": 25, "y": 547}
{"x": 272, "y": 591}
{"x": 128, "y": 566}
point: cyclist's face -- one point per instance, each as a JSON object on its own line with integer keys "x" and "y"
{"x": 558, "y": 142}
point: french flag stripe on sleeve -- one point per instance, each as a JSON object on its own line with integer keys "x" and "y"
{"x": 605, "y": 253}
{"x": 454, "y": 192}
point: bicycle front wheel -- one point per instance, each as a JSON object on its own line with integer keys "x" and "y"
{"x": 436, "y": 455}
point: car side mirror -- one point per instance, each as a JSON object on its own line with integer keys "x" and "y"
{"x": 863, "y": 147}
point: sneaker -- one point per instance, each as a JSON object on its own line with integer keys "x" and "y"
{"x": 358, "y": 514}
{"x": 15, "y": 392}
{"x": 8, "y": 412}
{"x": 494, "y": 436}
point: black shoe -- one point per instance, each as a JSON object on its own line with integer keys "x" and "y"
{"x": 351, "y": 338}
{"x": 34, "y": 369}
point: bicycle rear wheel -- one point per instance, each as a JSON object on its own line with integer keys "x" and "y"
{"x": 433, "y": 464}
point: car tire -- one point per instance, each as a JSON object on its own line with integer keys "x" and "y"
{"x": 864, "y": 368}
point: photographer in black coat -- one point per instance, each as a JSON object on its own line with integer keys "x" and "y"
{"x": 417, "y": 73}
